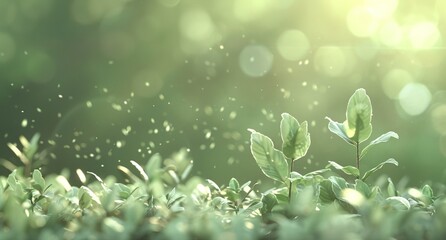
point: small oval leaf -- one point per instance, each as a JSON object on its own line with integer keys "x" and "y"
{"x": 295, "y": 137}
{"x": 359, "y": 116}
{"x": 271, "y": 161}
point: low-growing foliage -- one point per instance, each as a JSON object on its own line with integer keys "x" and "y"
{"x": 161, "y": 201}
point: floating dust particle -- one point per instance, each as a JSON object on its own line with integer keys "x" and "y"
{"x": 313, "y": 123}
{"x": 126, "y": 130}
{"x": 89, "y": 104}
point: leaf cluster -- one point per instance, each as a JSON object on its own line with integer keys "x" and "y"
{"x": 160, "y": 200}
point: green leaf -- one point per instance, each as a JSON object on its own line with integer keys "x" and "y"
{"x": 391, "y": 190}
{"x": 295, "y": 137}
{"x": 381, "y": 139}
{"x": 86, "y": 197}
{"x": 15, "y": 185}
{"x": 326, "y": 194}
{"x": 153, "y": 166}
{"x": 379, "y": 166}
{"x": 234, "y": 185}
{"x": 349, "y": 170}
{"x": 269, "y": 201}
{"x": 338, "y": 129}
{"x": 140, "y": 170}
{"x": 271, "y": 161}
{"x": 294, "y": 176}
{"x": 338, "y": 184}
{"x": 213, "y": 184}
{"x": 398, "y": 203}
{"x": 427, "y": 191}
{"x": 363, "y": 188}
{"x": 251, "y": 208}
{"x": 38, "y": 180}
{"x": 358, "y": 125}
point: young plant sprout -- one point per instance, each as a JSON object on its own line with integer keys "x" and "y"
{"x": 356, "y": 129}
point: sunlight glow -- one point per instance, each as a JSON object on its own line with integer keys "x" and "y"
{"x": 394, "y": 81}
{"x": 255, "y": 60}
{"x": 293, "y": 45}
{"x": 414, "y": 98}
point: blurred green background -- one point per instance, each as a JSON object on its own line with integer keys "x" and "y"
{"x": 109, "y": 81}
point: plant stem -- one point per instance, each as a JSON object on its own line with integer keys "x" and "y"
{"x": 357, "y": 156}
{"x": 291, "y": 183}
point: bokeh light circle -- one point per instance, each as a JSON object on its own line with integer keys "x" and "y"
{"x": 255, "y": 60}
{"x": 362, "y": 21}
{"x": 414, "y": 98}
{"x": 424, "y": 35}
{"x": 391, "y": 34}
{"x": 196, "y": 25}
{"x": 394, "y": 81}
{"x": 293, "y": 45}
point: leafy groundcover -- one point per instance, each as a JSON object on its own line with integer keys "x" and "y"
{"x": 161, "y": 201}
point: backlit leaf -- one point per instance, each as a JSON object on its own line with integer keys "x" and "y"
{"x": 379, "y": 166}
{"x": 358, "y": 125}
{"x": 349, "y": 170}
{"x": 381, "y": 139}
{"x": 338, "y": 129}
{"x": 271, "y": 161}
{"x": 295, "y": 137}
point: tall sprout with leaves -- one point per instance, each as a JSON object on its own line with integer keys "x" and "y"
{"x": 355, "y": 130}
{"x": 276, "y": 164}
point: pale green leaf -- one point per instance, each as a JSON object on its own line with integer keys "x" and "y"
{"x": 295, "y": 137}
{"x": 399, "y": 203}
{"x": 363, "y": 188}
{"x": 379, "y": 166}
{"x": 153, "y": 166}
{"x": 349, "y": 170}
{"x": 271, "y": 161}
{"x": 381, "y": 139}
{"x": 427, "y": 191}
{"x": 391, "y": 190}
{"x": 338, "y": 129}
{"x": 251, "y": 208}
{"x": 358, "y": 125}
{"x": 38, "y": 180}
{"x": 234, "y": 185}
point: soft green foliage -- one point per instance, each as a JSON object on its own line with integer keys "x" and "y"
{"x": 356, "y": 129}
{"x": 160, "y": 200}
{"x": 295, "y": 137}
{"x": 270, "y": 160}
